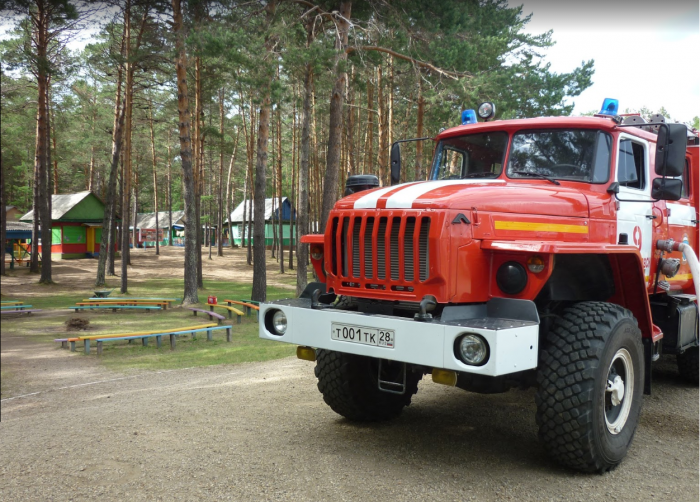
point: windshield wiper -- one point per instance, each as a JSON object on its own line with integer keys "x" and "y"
{"x": 537, "y": 175}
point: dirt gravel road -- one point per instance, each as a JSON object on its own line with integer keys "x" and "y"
{"x": 262, "y": 432}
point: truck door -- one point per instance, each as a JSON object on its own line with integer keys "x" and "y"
{"x": 635, "y": 218}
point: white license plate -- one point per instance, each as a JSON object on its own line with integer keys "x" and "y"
{"x": 362, "y": 334}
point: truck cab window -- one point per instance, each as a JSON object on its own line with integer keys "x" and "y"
{"x": 564, "y": 154}
{"x": 631, "y": 165}
{"x": 471, "y": 156}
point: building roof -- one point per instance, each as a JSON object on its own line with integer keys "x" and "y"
{"x": 7, "y": 208}
{"x": 148, "y": 220}
{"x": 18, "y": 226}
{"x": 270, "y": 206}
{"x": 61, "y": 204}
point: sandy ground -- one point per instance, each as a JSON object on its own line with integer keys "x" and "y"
{"x": 262, "y": 432}
{"x": 74, "y": 430}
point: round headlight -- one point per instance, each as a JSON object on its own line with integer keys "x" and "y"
{"x": 511, "y": 278}
{"x": 279, "y": 322}
{"x": 487, "y": 110}
{"x": 472, "y": 349}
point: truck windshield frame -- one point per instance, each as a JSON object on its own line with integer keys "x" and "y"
{"x": 578, "y": 155}
{"x": 478, "y": 155}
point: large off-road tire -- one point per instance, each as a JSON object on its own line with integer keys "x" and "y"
{"x": 591, "y": 353}
{"x": 688, "y": 365}
{"x": 348, "y": 383}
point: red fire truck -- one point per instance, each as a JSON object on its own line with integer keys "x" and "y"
{"x": 557, "y": 252}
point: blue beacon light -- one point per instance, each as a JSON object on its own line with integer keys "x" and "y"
{"x": 468, "y": 117}
{"x": 610, "y": 107}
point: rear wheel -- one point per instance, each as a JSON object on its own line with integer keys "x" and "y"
{"x": 688, "y": 365}
{"x": 349, "y": 386}
{"x": 590, "y": 381}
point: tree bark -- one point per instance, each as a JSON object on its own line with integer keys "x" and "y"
{"x": 335, "y": 125}
{"x": 3, "y": 216}
{"x": 259, "y": 292}
{"x": 419, "y": 132}
{"x": 126, "y": 175}
{"x": 279, "y": 189}
{"x": 190, "y": 294}
{"x": 220, "y": 219}
{"x": 155, "y": 176}
{"x": 46, "y": 223}
{"x": 198, "y": 153}
{"x": 170, "y": 195}
{"x": 303, "y": 205}
{"x": 231, "y": 190}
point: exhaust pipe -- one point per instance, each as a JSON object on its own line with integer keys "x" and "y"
{"x": 690, "y": 255}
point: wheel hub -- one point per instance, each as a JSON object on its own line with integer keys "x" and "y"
{"x": 619, "y": 391}
{"x": 616, "y": 388}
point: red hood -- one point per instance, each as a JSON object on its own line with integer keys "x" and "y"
{"x": 485, "y": 195}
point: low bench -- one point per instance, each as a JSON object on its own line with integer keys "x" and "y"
{"x": 231, "y": 311}
{"x": 248, "y": 306}
{"x": 212, "y": 315}
{"x": 163, "y": 305}
{"x": 11, "y": 302}
{"x": 115, "y": 307}
{"x": 158, "y": 336}
{"x": 16, "y": 307}
{"x": 124, "y": 298}
{"x": 185, "y": 329}
{"x": 29, "y": 311}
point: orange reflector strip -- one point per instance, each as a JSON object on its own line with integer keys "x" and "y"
{"x": 540, "y": 227}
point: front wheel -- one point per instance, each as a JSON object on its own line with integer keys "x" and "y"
{"x": 349, "y": 386}
{"x": 591, "y": 380}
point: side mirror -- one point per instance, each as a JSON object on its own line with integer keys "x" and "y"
{"x": 670, "y": 150}
{"x": 666, "y": 189}
{"x": 614, "y": 188}
{"x": 395, "y": 164}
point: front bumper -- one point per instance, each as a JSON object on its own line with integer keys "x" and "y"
{"x": 512, "y": 343}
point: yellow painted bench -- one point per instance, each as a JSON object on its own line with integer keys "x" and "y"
{"x": 231, "y": 311}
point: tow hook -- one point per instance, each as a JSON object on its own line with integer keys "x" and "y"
{"x": 423, "y": 315}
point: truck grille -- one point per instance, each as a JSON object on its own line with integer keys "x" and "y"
{"x": 373, "y": 248}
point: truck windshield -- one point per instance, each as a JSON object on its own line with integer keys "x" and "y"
{"x": 565, "y": 154}
{"x": 472, "y": 156}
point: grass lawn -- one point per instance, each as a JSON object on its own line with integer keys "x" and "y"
{"x": 121, "y": 356}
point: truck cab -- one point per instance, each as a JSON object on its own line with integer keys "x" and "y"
{"x": 552, "y": 252}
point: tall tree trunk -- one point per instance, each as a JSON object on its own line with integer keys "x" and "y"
{"x": 170, "y": 195}
{"x": 109, "y": 219}
{"x": 419, "y": 132}
{"x": 198, "y": 153}
{"x": 231, "y": 190}
{"x": 293, "y": 187}
{"x": 155, "y": 176}
{"x": 51, "y": 129}
{"x": 220, "y": 219}
{"x": 40, "y": 27}
{"x": 126, "y": 175}
{"x": 305, "y": 150}
{"x": 190, "y": 294}
{"x": 259, "y": 292}
{"x": 3, "y": 216}
{"x": 279, "y": 188}
{"x": 335, "y": 125}
{"x": 46, "y": 223}
{"x": 249, "y": 228}
{"x": 369, "y": 138}
{"x": 382, "y": 157}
